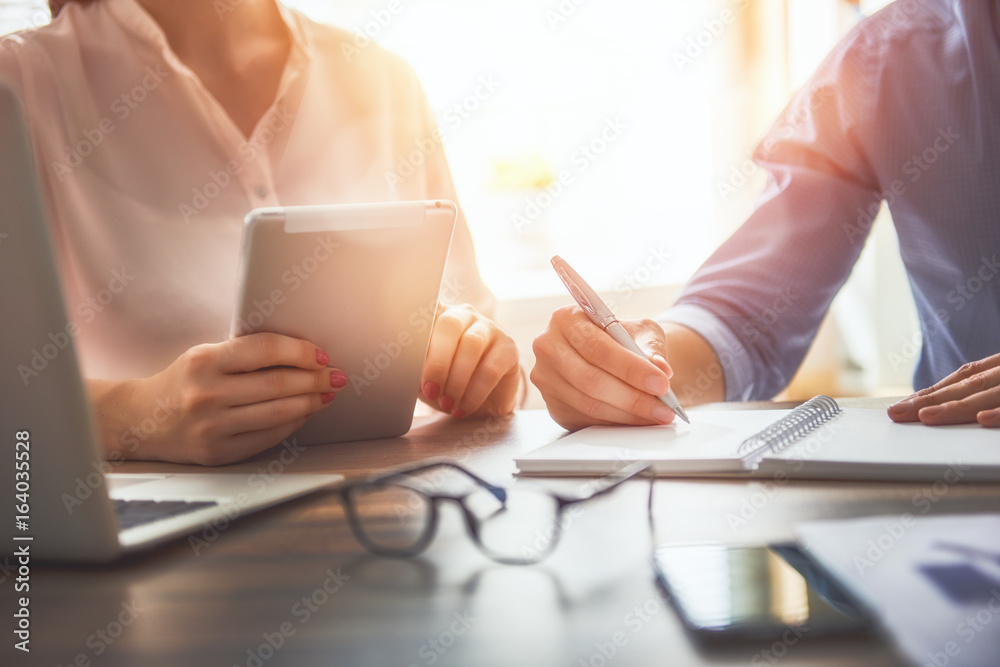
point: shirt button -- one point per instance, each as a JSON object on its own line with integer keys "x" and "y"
{"x": 261, "y": 191}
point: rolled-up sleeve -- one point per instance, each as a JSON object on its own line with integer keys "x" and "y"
{"x": 760, "y": 298}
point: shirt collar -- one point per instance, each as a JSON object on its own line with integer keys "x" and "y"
{"x": 134, "y": 17}
{"x": 300, "y": 36}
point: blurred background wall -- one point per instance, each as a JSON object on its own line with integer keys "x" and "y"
{"x": 618, "y": 135}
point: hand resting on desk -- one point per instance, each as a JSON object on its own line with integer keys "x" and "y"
{"x": 216, "y": 403}
{"x": 223, "y": 402}
{"x": 970, "y": 394}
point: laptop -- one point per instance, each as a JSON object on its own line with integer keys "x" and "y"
{"x": 68, "y": 505}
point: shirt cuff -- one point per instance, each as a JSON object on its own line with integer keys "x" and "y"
{"x": 737, "y": 366}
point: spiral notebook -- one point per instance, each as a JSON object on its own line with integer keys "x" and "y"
{"x": 817, "y": 440}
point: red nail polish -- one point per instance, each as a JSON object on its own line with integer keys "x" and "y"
{"x": 431, "y": 390}
{"x": 458, "y": 414}
{"x": 338, "y": 379}
{"x": 322, "y": 358}
{"x": 447, "y": 403}
{"x": 326, "y": 398}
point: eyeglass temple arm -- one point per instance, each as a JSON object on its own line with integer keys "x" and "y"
{"x": 612, "y": 482}
{"x": 498, "y": 492}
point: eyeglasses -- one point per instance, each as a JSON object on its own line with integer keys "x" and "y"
{"x": 396, "y": 514}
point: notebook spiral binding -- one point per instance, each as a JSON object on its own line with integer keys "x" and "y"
{"x": 786, "y": 431}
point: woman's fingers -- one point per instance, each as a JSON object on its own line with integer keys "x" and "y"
{"x": 473, "y": 346}
{"x": 498, "y": 366}
{"x": 272, "y": 414}
{"x": 263, "y": 350}
{"x": 564, "y": 374}
{"x": 272, "y": 383}
{"x": 449, "y": 327}
{"x": 572, "y": 409}
{"x": 244, "y": 445}
{"x": 471, "y": 364}
{"x": 602, "y": 351}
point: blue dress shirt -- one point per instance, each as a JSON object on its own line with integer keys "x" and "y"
{"x": 905, "y": 110}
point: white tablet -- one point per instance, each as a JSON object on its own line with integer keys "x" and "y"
{"x": 361, "y": 281}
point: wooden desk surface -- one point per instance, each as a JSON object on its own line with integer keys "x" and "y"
{"x": 452, "y": 606}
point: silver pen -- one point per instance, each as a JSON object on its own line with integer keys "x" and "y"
{"x": 601, "y": 315}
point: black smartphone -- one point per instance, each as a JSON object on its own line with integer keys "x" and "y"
{"x": 750, "y": 592}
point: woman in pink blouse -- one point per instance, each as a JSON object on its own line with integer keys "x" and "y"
{"x": 157, "y": 125}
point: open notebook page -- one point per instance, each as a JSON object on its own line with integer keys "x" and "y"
{"x": 864, "y": 443}
{"x": 709, "y": 444}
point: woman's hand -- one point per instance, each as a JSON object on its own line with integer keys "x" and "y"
{"x": 471, "y": 366}
{"x": 217, "y": 403}
{"x": 586, "y": 378}
{"x": 970, "y": 394}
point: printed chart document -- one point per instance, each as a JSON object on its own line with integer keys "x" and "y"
{"x": 933, "y": 582}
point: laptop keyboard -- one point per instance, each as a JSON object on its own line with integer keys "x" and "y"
{"x": 132, "y": 513}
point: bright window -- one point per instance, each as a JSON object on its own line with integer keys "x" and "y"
{"x": 599, "y": 140}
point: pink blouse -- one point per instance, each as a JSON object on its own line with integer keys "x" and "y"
{"x": 147, "y": 179}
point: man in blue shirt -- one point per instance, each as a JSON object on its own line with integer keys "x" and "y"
{"x": 905, "y": 110}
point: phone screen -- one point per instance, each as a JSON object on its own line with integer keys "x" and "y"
{"x": 753, "y": 592}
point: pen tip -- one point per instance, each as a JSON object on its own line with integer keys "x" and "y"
{"x": 680, "y": 413}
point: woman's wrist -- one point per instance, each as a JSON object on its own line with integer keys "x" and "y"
{"x": 121, "y": 435}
